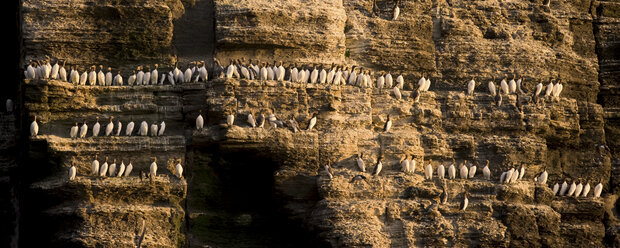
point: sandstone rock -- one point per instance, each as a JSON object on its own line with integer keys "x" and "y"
{"x": 450, "y": 42}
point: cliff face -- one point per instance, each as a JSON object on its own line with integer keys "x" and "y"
{"x": 99, "y": 32}
{"x": 267, "y": 186}
{"x": 392, "y": 209}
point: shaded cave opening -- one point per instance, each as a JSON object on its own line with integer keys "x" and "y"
{"x": 235, "y": 192}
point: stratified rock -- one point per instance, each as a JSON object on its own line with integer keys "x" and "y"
{"x": 89, "y": 33}
{"x": 293, "y": 31}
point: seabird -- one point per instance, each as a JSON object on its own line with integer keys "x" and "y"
{"x": 381, "y": 81}
{"x": 154, "y": 129}
{"x": 504, "y": 86}
{"x": 360, "y": 162}
{"x": 92, "y": 76}
{"x": 492, "y": 90}
{"x": 472, "y": 171}
{"x": 396, "y": 11}
{"x": 74, "y": 131}
{"x": 538, "y": 90}
{"x": 95, "y": 166}
{"x": 463, "y": 172}
{"x": 509, "y": 175}
{"x": 129, "y": 128}
{"x": 9, "y": 105}
{"x": 428, "y": 170}
{"x": 112, "y": 169}
{"x": 154, "y": 75}
{"x": 404, "y": 163}
{"x": 121, "y": 169}
{"x": 312, "y": 122}
{"x": 72, "y": 172}
{"x": 558, "y": 91}
{"x": 397, "y": 93}
{"x": 388, "y": 80}
{"x": 54, "y": 72}
{"x": 412, "y": 164}
{"x": 452, "y": 170}
{"x": 598, "y": 189}
{"x": 563, "y": 188}
{"x": 230, "y": 119}
{"x": 416, "y": 95}
{"x": 443, "y": 196}
{"x": 556, "y": 188}
{"x": 352, "y": 76}
{"x": 108, "y": 77}
{"x": 521, "y": 86}
{"x": 30, "y": 72}
{"x": 101, "y": 76}
{"x": 103, "y": 170}
{"x": 486, "y": 172}
{"x": 515, "y": 176}
{"x": 512, "y": 85}
{"x": 422, "y": 83}
{"x": 388, "y": 124}
{"x": 96, "y": 127}
{"x": 571, "y": 189}
{"x": 465, "y": 202}
{"x": 83, "y": 130}
{"x": 199, "y": 120}
{"x": 586, "y": 190}
{"x": 441, "y": 171}
{"x": 357, "y": 178}
{"x": 314, "y": 75}
{"x": 378, "y": 166}
{"x": 471, "y": 85}
{"x": 542, "y": 179}
{"x": 400, "y": 82}
{"x": 109, "y": 127}
{"x": 521, "y": 172}
{"x": 549, "y": 89}
{"x": 83, "y": 78}
{"x": 428, "y": 84}
{"x": 328, "y": 170}
{"x": 498, "y": 99}
{"x": 144, "y": 128}
{"x": 162, "y": 128}
{"x": 251, "y": 120}
{"x": 179, "y": 169}
{"x": 260, "y": 121}
{"x": 153, "y": 168}
{"x": 578, "y": 189}
{"x": 119, "y": 127}
{"x": 128, "y": 169}
{"x": 187, "y": 77}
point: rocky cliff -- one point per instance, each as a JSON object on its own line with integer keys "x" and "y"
{"x": 266, "y": 187}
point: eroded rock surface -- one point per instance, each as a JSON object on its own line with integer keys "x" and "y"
{"x": 451, "y": 42}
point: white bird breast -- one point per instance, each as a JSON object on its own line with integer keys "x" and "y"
{"x": 153, "y": 169}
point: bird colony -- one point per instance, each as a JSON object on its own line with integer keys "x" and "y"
{"x": 198, "y": 71}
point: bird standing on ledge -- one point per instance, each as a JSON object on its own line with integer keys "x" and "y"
{"x": 396, "y": 11}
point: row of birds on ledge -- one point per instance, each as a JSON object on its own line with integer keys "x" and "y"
{"x": 111, "y": 170}
{"x": 338, "y": 75}
{"x": 115, "y": 129}
{"x": 468, "y": 171}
